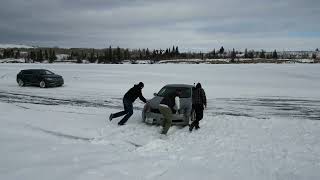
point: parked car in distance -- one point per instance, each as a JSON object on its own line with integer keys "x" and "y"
{"x": 39, "y": 77}
{"x": 152, "y": 115}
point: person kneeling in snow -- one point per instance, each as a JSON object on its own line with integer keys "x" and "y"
{"x": 170, "y": 104}
{"x": 128, "y": 100}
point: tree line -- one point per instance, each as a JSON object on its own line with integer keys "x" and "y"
{"x": 33, "y": 55}
{"x": 118, "y": 55}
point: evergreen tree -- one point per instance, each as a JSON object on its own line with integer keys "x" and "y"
{"x": 148, "y": 53}
{"x": 33, "y": 56}
{"x": 11, "y": 53}
{"x": 39, "y": 56}
{"x": 8, "y": 53}
{"x": 161, "y": 51}
{"x": 125, "y": 54}
{"x": 201, "y": 55}
{"x": 140, "y": 54}
{"x": 105, "y": 56}
{"x": 82, "y": 57}
{"x": 70, "y": 57}
{"x": 144, "y": 53}
{"x": 167, "y": 54}
{"x": 17, "y": 55}
{"x": 154, "y": 53}
{"x": 274, "y": 55}
{"x": 51, "y": 59}
{"x": 100, "y": 58}
{"x": 317, "y": 50}
{"x": 251, "y": 54}
{"x": 79, "y": 58}
{"x": 214, "y": 53}
{"x": 262, "y": 54}
{"x": 110, "y": 55}
{"x": 246, "y": 54}
{"x": 314, "y": 56}
{"x": 118, "y": 52}
{"x": 5, "y": 54}
{"x": 221, "y": 51}
{"x": 52, "y": 56}
{"x": 92, "y": 58}
{"x": 173, "y": 51}
{"x": 233, "y": 55}
{"x": 46, "y": 55}
{"x": 177, "y": 50}
{"x": 128, "y": 54}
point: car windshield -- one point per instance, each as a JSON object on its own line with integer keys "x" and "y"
{"x": 185, "y": 92}
{"x": 46, "y": 72}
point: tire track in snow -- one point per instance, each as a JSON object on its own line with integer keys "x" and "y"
{"x": 266, "y": 107}
{"x": 9, "y": 97}
{"x": 261, "y": 108}
{"x": 59, "y": 134}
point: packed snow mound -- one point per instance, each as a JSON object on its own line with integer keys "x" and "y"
{"x": 7, "y": 46}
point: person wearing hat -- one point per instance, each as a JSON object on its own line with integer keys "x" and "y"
{"x": 128, "y": 100}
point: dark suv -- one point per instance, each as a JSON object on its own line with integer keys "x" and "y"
{"x": 39, "y": 77}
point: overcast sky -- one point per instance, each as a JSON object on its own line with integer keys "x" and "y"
{"x": 192, "y": 25}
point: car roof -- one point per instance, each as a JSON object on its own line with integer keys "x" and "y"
{"x": 179, "y": 85}
{"x": 34, "y": 70}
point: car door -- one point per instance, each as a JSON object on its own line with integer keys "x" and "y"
{"x": 27, "y": 77}
{"x": 36, "y": 76}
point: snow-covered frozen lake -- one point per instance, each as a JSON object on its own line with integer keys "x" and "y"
{"x": 262, "y": 122}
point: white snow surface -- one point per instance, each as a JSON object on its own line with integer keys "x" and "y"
{"x": 262, "y": 122}
{"x": 6, "y": 46}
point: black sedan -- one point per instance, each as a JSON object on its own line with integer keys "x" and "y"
{"x": 39, "y": 77}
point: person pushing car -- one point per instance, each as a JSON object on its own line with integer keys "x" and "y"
{"x": 169, "y": 105}
{"x": 128, "y": 99}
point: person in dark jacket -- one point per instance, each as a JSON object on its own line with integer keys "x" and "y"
{"x": 199, "y": 103}
{"x": 169, "y": 105}
{"x": 128, "y": 100}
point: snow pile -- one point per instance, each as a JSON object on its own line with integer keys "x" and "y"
{"x": 12, "y": 60}
{"x": 7, "y": 46}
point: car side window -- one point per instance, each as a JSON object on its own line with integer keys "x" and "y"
{"x": 185, "y": 92}
{"x": 27, "y": 72}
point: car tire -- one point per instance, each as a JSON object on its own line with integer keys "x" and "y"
{"x": 20, "y": 82}
{"x": 42, "y": 84}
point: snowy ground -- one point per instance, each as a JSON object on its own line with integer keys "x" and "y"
{"x": 261, "y": 123}
{"x": 6, "y": 46}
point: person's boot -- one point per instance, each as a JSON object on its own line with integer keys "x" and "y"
{"x": 191, "y": 126}
{"x": 121, "y": 124}
{"x": 197, "y": 126}
{"x": 110, "y": 117}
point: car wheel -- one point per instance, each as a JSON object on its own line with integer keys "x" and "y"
{"x": 20, "y": 82}
{"x": 42, "y": 84}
